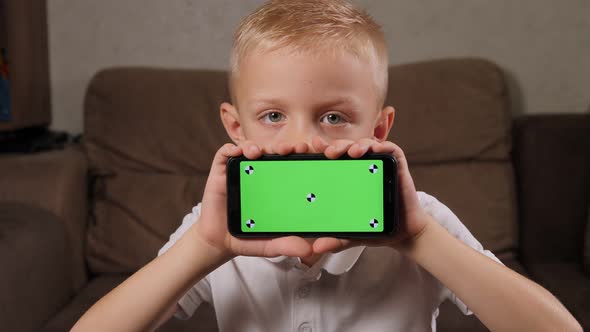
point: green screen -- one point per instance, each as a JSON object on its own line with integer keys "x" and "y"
{"x": 311, "y": 196}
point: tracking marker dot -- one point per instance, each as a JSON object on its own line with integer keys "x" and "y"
{"x": 374, "y": 223}
{"x": 310, "y": 197}
{"x": 249, "y": 169}
{"x": 373, "y": 168}
{"x": 250, "y": 223}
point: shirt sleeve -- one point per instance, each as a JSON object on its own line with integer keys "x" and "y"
{"x": 201, "y": 291}
{"x": 446, "y": 218}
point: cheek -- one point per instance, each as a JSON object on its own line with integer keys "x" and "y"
{"x": 262, "y": 135}
{"x": 353, "y": 133}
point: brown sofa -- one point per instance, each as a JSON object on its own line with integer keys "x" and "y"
{"x": 74, "y": 223}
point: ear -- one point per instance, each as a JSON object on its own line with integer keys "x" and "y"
{"x": 384, "y": 123}
{"x": 231, "y": 122}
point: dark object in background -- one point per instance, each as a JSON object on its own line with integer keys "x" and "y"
{"x": 23, "y": 36}
{"x": 34, "y": 139}
{"x": 25, "y": 108}
{"x": 5, "y": 109}
{"x": 552, "y": 162}
{"x": 4, "y": 82}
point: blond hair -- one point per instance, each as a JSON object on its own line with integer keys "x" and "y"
{"x": 312, "y": 26}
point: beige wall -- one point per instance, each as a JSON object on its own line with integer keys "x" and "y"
{"x": 544, "y": 45}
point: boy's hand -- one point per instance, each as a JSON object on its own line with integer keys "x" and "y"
{"x": 212, "y": 226}
{"x": 412, "y": 217}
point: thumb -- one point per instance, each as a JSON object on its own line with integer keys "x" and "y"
{"x": 319, "y": 144}
{"x": 330, "y": 244}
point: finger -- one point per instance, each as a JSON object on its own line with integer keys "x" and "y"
{"x": 394, "y": 149}
{"x": 268, "y": 150}
{"x": 292, "y": 246}
{"x": 354, "y": 151}
{"x": 301, "y": 147}
{"x": 337, "y": 148}
{"x": 366, "y": 143}
{"x": 384, "y": 147}
{"x": 319, "y": 144}
{"x": 225, "y": 152}
{"x": 359, "y": 148}
{"x": 330, "y": 244}
{"x": 284, "y": 148}
{"x": 251, "y": 150}
{"x": 408, "y": 201}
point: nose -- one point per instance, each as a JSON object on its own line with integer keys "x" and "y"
{"x": 302, "y": 134}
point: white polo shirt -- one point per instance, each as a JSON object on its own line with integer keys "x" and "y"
{"x": 358, "y": 289}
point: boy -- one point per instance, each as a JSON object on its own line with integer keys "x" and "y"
{"x": 311, "y": 76}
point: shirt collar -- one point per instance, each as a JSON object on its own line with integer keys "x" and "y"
{"x": 336, "y": 264}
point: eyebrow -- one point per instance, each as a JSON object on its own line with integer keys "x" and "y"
{"x": 275, "y": 102}
{"x": 265, "y": 102}
{"x": 344, "y": 100}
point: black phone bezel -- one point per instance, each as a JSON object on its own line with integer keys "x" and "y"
{"x": 390, "y": 197}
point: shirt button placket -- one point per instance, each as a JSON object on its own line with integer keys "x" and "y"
{"x": 303, "y": 308}
{"x": 303, "y": 291}
{"x": 305, "y": 327}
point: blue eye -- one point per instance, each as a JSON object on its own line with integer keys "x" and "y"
{"x": 333, "y": 118}
{"x": 274, "y": 116}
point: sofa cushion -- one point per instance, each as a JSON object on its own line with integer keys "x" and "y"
{"x": 151, "y": 134}
{"x": 134, "y": 213}
{"x": 450, "y": 109}
{"x": 154, "y": 120}
{"x": 35, "y": 278}
{"x": 553, "y": 167}
{"x": 203, "y": 319}
{"x": 453, "y": 123}
{"x": 482, "y": 196}
{"x": 56, "y": 181}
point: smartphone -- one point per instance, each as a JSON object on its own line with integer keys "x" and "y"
{"x": 309, "y": 195}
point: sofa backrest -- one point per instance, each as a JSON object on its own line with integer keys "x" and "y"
{"x": 453, "y": 121}
{"x": 150, "y": 135}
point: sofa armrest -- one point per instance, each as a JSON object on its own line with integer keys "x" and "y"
{"x": 552, "y": 161}
{"x": 35, "y": 281}
{"x": 57, "y": 182}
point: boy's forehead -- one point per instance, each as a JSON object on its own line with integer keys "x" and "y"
{"x": 265, "y": 76}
